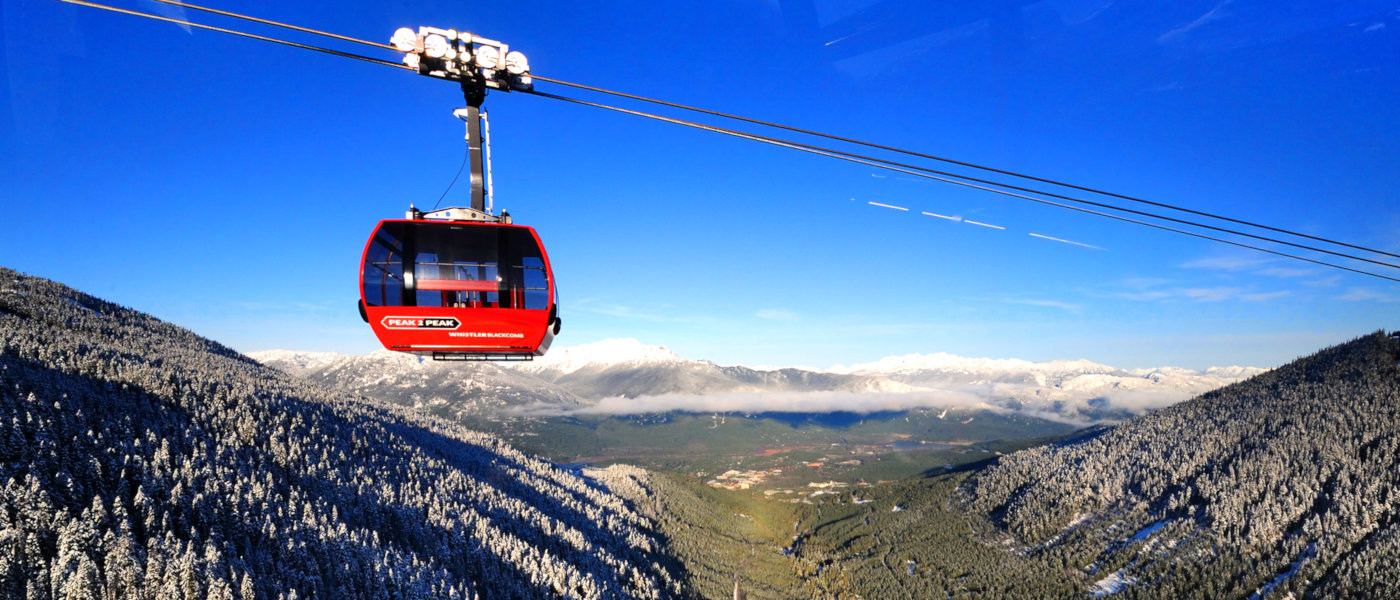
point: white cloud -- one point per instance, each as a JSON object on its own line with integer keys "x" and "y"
{"x": 1329, "y": 281}
{"x": 1065, "y": 306}
{"x": 1064, "y": 241}
{"x": 594, "y": 306}
{"x": 1357, "y": 294}
{"x": 981, "y": 224}
{"x": 1227, "y": 263}
{"x": 1083, "y": 411}
{"x": 1264, "y": 296}
{"x": 1211, "y": 294}
{"x": 1144, "y": 296}
{"x": 1157, "y": 290}
{"x": 781, "y": 402}
{"x": 1080, "y": 410}
{"x": 1288, "y": 272}
{"x": 1214, "y": 14}
{"x": 776, "y": 314}
{"x": 172, "y": 11}
{"x": 1257, "y": 264}
{"x": 950, "y": 218}
{"x": 1145, "y": 282}
{"x": 895, "y": 177}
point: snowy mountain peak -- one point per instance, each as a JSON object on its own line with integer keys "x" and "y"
{"x": 951, "y": 363}
{"x": 603, "y": 354}
{"x": 295, "y": 361}
{"x": 305, "y": 360}
{"x": 1235, "y": 371}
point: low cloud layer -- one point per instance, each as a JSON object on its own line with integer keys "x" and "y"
{"x": 1082, "y": 409}
{"x": 782, "y": 402}
{"x": 1085, "y": 410}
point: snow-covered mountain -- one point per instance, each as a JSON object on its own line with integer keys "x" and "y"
{"x": 566, "y": 378}
{"x": 1052, "y": 381}
{"x": 578, "y": 376}
{"x": 604, "y": 354}
{"x": 1223, "y": 496}
{"x": 139, "y": 460}
{"x": 295, "y": 362}
{"x": 445, "y": 388}
{"x": 943, "y": 368}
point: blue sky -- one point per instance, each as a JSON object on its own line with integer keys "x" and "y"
{"x": 228, "y": 185}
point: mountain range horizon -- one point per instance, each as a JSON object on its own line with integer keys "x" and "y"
{"x": 621, "y": 349}
{"x": 625, "y": 376}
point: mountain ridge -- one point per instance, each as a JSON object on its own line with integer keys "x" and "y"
{"x": 588, "y": 377}
{"x": 1287, "y": 479}
{"x": 141, "y": 460}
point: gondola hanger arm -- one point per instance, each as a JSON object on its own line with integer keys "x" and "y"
{"x": 479, "y": 64}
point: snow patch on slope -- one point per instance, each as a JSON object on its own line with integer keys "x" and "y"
{"x": 1110, "y": 585}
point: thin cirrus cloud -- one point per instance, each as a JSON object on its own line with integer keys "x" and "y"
{"x": 956, "y": 219}
{"x": 172, "y": 11}
{"x": 776, "y": 314}
{"x": 1261, "y": 265}
{"x": 1065, "y": 241}
{"x": 1215, "y": 294}
{"x": 987, "y": 225}
{"x": 897, "y": 178}
{"x": 1161, "y": 290}
{"x": 1265, "y": 296}
{"x": 617, "y": 310}
{"x": 1288, "y": 272}
{"x": 1214, "y": 14}
{"x": 1358, "y": 294}
{"x": 953, "y": 219}
{"x": 959, "y": 219}
{"x": 1144, "y": 296}
{"x": 1227, "y": 263}
{"x": 1065, "y": 306}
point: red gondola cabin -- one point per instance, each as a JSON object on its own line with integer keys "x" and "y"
{"x": 458, "y": 290}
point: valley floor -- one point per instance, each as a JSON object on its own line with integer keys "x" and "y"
{"x": 888, "y": 541}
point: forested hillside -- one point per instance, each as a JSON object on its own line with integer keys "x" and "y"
{"x": 138, "y": 460}
{"x": 1286, "y": 483}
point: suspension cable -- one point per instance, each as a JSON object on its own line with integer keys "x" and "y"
{"x": 961, "y": 163}
{"x": 239, "y": 33}
{"x": 276, "y": 24}
{"x": 928, "y": 173}
{"x": 832, "y": 151}
{"x": 918, "y": 173}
